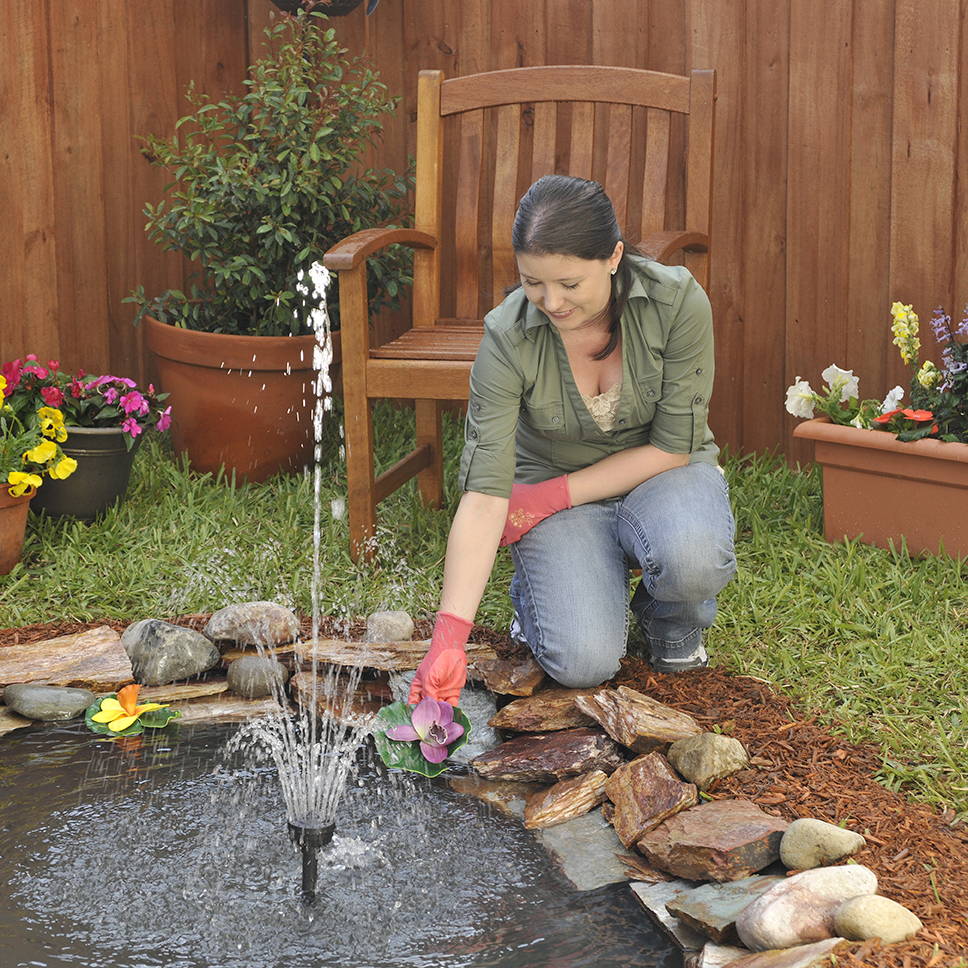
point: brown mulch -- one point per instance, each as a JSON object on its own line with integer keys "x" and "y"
{"x": 920, "y": 855}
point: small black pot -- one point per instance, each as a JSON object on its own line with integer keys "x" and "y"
{"x": 100, "y": 481}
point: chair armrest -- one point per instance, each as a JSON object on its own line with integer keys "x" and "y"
{"x": 350, "y": 252}
{"x": 660, "y": 245}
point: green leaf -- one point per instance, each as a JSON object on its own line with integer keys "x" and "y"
{"x": 159, "y": 718}
{"x": 400, "y": 755}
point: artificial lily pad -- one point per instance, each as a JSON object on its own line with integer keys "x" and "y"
{"x": 403, "y": 755}
{"x": 151, "y": 718}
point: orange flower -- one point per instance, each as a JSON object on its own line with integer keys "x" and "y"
{"x": 122, "y": 712}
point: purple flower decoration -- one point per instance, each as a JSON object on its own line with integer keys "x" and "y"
{"x": 433, "y": 724}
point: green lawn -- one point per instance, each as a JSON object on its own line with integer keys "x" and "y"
{"x": 871, "y": 640}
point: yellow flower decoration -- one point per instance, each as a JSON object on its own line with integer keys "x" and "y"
{"x": 3, "y": 385}
{"x": 905, "y": 330}
{"x": 21, "y": 482}
{"x": 52, "y": 423}
{"x": 122, "y": 712}
{"x": 63, "y": 468}
{"x": 43, "y": 452}
{"x": 929, "y": 375}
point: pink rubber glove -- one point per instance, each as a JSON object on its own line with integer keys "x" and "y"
{"x": 443, "y": 671}
{"x": 531, "y": 504}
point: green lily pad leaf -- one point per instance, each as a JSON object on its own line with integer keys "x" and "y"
{"x": 159, "y": 718}
{"x": 401, "y": 755}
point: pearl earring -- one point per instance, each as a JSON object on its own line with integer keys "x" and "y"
{"x": 613, "y": 272}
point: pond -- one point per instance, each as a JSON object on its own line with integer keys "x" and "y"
{"x": 173, "y": 851}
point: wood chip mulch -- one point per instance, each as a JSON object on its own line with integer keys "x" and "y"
{"x": 920, "y": 855}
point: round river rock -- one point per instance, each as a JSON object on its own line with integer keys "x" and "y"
{"x": 161, "y": 652}
{"x": 254, "y": 677}
{"x": 708, "y": 757}
{"x": 51, "y": 704}
{"x": 810, "y": 843}
{"x": 873, "y": 916}
{"x": 394, "y": 626}
{"x": 254, "y": 623}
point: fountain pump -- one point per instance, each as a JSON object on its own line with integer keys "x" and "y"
{"x": 310, "y": 840}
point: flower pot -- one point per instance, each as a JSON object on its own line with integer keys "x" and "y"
{"x": 101, "y": 479}
{"x": 13, "y": 526}
{"x": 880, "y": 489}
{"x": 242, "y": 402}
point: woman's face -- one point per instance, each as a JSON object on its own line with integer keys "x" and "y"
{"x": 571, "y": 292}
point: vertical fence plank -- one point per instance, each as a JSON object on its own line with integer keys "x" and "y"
{"x": 763, "y": 261}
{"x": 718, "y": 38}
{"x": 959, "y": 303}
{"x": 818, "y": 193}
{"x": 868, "y": 346}
{"x": 28, "y": 244}
{"x": 923, "y": 162}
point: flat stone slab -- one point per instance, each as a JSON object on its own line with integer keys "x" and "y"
{"x": 548, "y": 709}
{"x": 654, "y": 898}
{"x": 636, "y": 721}
{"x": 179, "y": 692}
{"x": 713, "y": 908}
{"x": 549, "y": 757}
{"x": 505, "y": 796}
{"x": 803, "y": 956}
{"x": 9, "y": 721}
{"x": 518, "y": 676}
{"x": 714, "y": 956}
{"x": 284, "y": 653}
{"x": 724, "y": 840}
{"x": 356, "y": 713}
{"x": 224, "y": 709}
{"x": 386, "y": 656}
{"x": 93, "y": 660}
{"x": 585, "y": 849}
{"x": 565, "y": 800}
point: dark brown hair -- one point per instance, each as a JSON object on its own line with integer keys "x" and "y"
{"x": 561, "y": 215}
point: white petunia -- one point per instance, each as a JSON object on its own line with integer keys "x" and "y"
{"x": 892, "y": 400}
{"x": 843, "y": 380}
{"x": 800, "y": 399}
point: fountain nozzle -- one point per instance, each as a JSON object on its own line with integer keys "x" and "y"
{"x": 310, "y": 840}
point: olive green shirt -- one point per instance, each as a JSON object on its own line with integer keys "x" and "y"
{"x": 526, "y": 420}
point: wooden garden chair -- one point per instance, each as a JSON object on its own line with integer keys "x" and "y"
{"x": 481, "y": 141}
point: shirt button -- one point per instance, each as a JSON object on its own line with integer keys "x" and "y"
{"x": 697, "y": 399}
{"x": 472, "y": 433}
{"x": 556, "y": 419}
{"x": 651, "y": 393}
{"x": 621, "y": 423}
{"x": 699, "y": 372}
{"x": 477, "y": 408}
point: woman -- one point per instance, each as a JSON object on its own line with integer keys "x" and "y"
{"x": 587, "y": 450}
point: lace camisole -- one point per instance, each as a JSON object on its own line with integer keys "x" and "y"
{"x": 604, "y": 407}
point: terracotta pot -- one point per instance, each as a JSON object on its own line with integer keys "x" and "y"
{"x": 245, "y": 402}
{"x": 13, "y": 526}
{"x": 102, "y": 475}
{"x": 880, "y": 489}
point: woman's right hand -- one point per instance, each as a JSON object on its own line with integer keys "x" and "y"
{"x": 443, "y": 670}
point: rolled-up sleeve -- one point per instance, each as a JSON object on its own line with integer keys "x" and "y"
{"x": 496, "y": 385}
{"x": 679, "y": 424}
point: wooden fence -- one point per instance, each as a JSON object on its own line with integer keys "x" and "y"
{"x": 841, "y": 131}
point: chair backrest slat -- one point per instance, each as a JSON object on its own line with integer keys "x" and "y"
{"x": 505, "y": 199}
{"x": 505, "y": 129}
{"x": 582, "y": 139}
{"x": 466, "y": 220}
{"x": 656, "y": 172}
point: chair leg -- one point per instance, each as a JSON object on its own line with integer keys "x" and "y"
{"x": 430, "y": 431}
{"x": 361, "y": 497}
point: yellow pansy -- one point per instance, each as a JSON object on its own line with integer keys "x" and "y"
{"x": 63, "y": 468}
{"x": 43, "y": 452}
{"x": 21, "y": 482}
{"x": 52, "y": 423}
{"x": 124, "y": 711}
{"x": 3, "y": 385}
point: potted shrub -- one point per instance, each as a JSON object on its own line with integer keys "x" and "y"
{"x": 891, "y": 471}
{"x": 31, "y": 434}
{"x": 264, "y": 183}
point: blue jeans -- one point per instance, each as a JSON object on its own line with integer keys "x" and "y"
{"x": 571, "y": 581}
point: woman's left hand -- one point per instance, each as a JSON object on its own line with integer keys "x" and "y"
{"x": 531, "y": 503}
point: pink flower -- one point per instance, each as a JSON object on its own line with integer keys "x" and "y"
{"x": 110, "y": 395}
{"x": 133, "y": 402}
{"x": 164, "y": 421}
{"x": 11, "y": 372}
{"x": 131, "y": 426}
{"x": 53, "y": 396}
{"x": 53, "y": 364}
{"x": 151, "y": 389}
{"x": 433, "y": 724}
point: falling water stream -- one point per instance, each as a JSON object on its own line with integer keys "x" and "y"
{"x": 172, "y": 850}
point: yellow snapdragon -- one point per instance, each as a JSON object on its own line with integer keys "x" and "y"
{"x": 929, "y": 375}
{"x": 905, "y": 330}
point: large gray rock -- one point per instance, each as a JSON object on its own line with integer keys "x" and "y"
{"x": 585, "y": 848}
{"x": 253, "y": 623}
{"x": 253, "y": 676}
{"x": 724, "y": 840}
{"x": 873, "y": 916}
{"x": 708, "y": 757}
{"x": 810, "y": 843}
{"x": 801, "y": 909}
{"x": 48, "y": 703}
{"x": 393, "y": 626}
{"x": 161, "y": 652}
